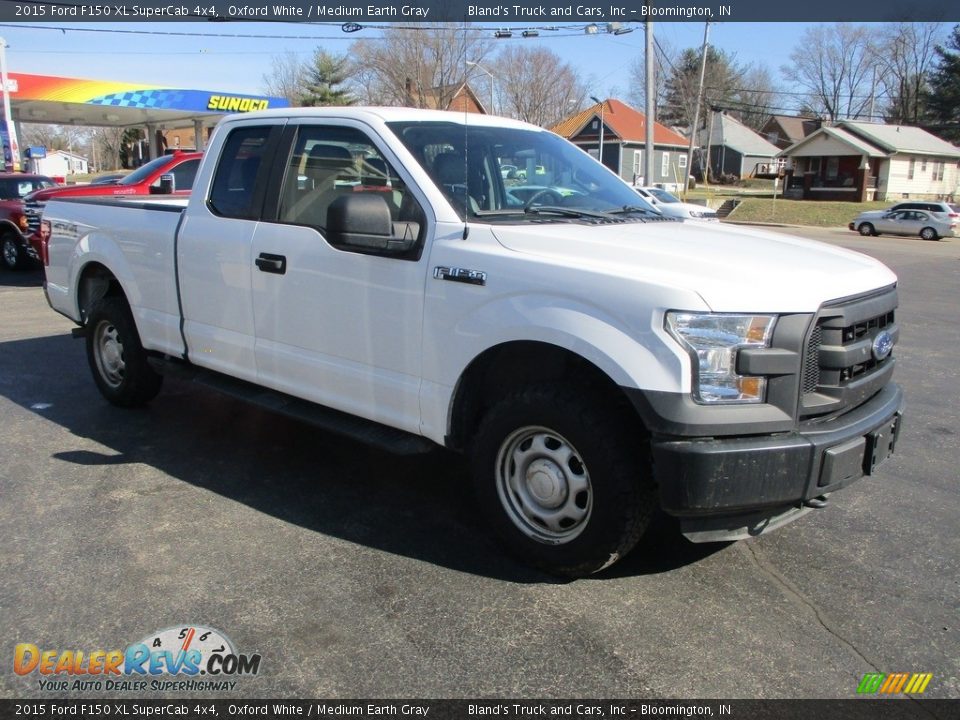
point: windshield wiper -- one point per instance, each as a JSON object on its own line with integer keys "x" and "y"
{"x": 565, "y": 211}
{"x": 540, "y": 210}
{"x": 627, "y": 209}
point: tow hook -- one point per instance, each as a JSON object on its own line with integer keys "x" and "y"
{"x": 817, "y": 503}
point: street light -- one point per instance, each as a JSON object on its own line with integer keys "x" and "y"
{"x": 600, "y": 151}
{"x": 481, "y": 68}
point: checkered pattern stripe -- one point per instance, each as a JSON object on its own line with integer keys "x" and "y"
{"x": 157, "y": 99}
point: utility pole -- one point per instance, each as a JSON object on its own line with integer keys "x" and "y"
{"x": 650, "y": 105}
{"x": 695, "y": 128}
{"x": 600, "y": 139}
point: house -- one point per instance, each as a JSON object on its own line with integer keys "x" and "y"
{"x": 736, "y": 150}
{"x": 458, "y": 97}
{"x": 624, "y": 141}
{"x": 60, "y": 163}
{"x": 859, "y": 161}
{"x": 786, "y": 130}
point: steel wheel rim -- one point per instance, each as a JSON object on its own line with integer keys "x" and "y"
{"x": 9, "y": 252}
{"x": 544, "y": 485}
{"x": 928, "y": 234}
{"x": 108, "y": 353}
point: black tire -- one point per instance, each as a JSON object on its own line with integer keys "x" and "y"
{"x": 866, "y": 229}
{"x": 929, "y": 233}
{"x": 12, "y": 254}
{"x": 117, "y": 359}
{"x": 580, "y": 461}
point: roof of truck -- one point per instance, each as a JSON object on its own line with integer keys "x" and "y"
{"x": 385, "y": 114}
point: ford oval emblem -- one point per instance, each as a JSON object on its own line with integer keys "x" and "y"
{"x": 882, "y": 345}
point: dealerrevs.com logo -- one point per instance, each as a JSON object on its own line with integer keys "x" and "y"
{"x": 181, "y": 658}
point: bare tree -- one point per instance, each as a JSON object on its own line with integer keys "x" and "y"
{"x": 286, "y": 77}
{"x": 55, "y": 137}
{"x": 908, "y": 56}
{"x": 758, "y": 97}
{"x": 666, "y": 58}
{"x": 536, "y": 85}
{"x": 108, "y": 141}
{"x": 834, "y": 64}
{"x": 422, "y": 68}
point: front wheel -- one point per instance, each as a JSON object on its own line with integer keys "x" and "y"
{"x": 11, "y": 254}
{"x": 117, "y": 359}
{"x": 867, "y": 230}
{"x": 564, "y": 483}
{"x": 928, "y": 233}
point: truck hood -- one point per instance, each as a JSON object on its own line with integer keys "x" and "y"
{"x": 734, "y": 269}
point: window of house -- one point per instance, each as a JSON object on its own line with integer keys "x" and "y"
{"x": 833, "y": 167}
{"x": 682, "y": 161}
{"x": 923, "y": 165}
{"x": 637, "y": 163}
{"x": 911, "y": 168}
{"x": 665, "y": 164}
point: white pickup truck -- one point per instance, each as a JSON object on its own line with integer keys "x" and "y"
{"x": 374, "y": 272}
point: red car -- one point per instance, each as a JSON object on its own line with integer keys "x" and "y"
{"x": 145, "y": 180}
{"x": 15, "y": 250}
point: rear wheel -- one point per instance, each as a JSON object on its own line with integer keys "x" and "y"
{"x": 116, "y": 357}
{"x": 564, "y": 482}
{"x": 928, "y": 233}
{"x": 866, "y": 229}
{"x": 11, "y": 253}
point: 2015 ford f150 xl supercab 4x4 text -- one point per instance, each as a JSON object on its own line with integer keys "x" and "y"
{"x": 369, "y": 270}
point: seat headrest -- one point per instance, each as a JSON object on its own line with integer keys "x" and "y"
{"x": 323, "y": 155}
{"x": 449, "y": 169}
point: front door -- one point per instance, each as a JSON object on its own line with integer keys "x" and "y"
{"x": 336, "y": 324}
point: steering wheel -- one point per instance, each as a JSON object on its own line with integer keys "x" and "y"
{"x": 545, "y": 197}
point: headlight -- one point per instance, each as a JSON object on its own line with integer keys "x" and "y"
{"x": 713, "y": 341}
{"x": 696, "y": 214}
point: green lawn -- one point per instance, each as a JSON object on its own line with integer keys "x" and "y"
{"x": 801, "y": 212}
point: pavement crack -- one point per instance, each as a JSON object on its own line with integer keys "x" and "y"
{"x": 796, "y": 595}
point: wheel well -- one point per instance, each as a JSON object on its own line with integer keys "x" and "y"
{"x": 95, "y": 282}
{"x": 508, "y": 367}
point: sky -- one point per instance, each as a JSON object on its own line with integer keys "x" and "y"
{"x": 216, "y": 59}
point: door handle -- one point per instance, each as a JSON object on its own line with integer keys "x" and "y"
{"x": 269, "y": 263}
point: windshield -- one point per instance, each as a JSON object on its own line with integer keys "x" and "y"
{"x": 16, "y": 188}
{"x": 514, "y": 174}
{"x": 144, "y": 171}
{"x": 662, "y": 195}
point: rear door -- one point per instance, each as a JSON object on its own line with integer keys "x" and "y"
{"x": 214, "y": 261}
{"x": 338, "y": 325}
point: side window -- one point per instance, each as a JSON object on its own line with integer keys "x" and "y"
{"x": 337, "y": 182}
{"x": 184, "y": 173}
{"x": 232, "y": 194}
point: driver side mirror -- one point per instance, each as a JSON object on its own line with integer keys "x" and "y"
{"x": 166, "y": 186}
{"x": 362, "y": 221}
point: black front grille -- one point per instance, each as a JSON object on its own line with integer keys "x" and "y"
{"x": 840, "y": 368}
{"x": 811, "y": 365}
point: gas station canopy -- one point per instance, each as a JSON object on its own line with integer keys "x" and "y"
{"x": 103, "y": 103}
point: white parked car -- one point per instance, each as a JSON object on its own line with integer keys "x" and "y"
{"x": 672, "y": 206}
{"x": 922, "y": 223}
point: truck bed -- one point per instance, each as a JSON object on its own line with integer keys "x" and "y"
{"x": 136, "y": 239}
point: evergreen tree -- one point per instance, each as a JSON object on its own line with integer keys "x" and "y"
{"x": 944, "y": 100}
{"x": 323, "y": 80}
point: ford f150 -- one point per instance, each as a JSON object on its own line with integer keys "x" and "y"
{"x": 368, "y": 270}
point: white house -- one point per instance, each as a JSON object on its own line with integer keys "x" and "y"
{"x": 860, "y": 161}
{"x": 60, "y": 163}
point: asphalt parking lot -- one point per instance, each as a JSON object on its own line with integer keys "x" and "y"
{"x": 358, "y": 574}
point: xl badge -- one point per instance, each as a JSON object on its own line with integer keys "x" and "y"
{"x": 882, "y": 345}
